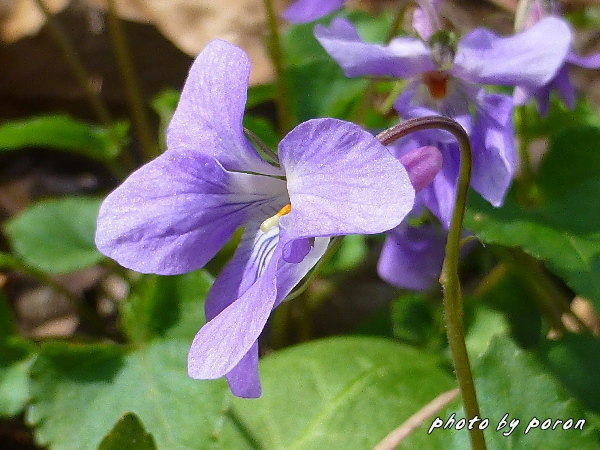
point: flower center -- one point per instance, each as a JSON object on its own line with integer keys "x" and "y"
{"x": 437, "y": 83}
{"x": 273, "y": 221}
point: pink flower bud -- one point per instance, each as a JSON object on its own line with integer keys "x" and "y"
{"x": 422, "y": 165}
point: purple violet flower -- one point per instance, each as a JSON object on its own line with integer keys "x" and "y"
{"x": 447, "y": 82}
{"x": 412, "y": 257}
{"x": 302, "y": 11}
{"x": 560, "y": 82}
{"x": 172, "y": 215}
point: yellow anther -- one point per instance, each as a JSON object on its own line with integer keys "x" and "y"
{"x": 273, "y": 221}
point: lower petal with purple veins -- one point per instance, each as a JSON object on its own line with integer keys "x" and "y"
{"x": 223, "y": 342}
{"x": 254, "y": 282}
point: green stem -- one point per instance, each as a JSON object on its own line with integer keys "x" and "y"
{"x": 361, "y": 110}
{"x": 491, "y": 280}
{"x": 449, "y": 278}
{"x": 527, "y": 175}
{"x": 282, "y": 98}
{"x": 75, "y": 65}
{"x": 135, "y": 100}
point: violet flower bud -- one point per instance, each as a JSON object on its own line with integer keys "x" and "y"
{"x": 422, "y": 165}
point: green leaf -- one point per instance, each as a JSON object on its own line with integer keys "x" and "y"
{"x": 128, "y": 433}
{"x": 258, "y": 94}
{"x": 573, "y": 158}
{"x": 339, "y": 393}
{"x": 64, "y": 133}
{"x": 317, "y": 85}
{"x": 350, "y": 255}
{"x": 572, "y": 359}
{"x": 164, "y": 105}
{"x": 262, "y": 128}
{"x": 15, "y": 359}
{"x": 512, "y": 381}
{"x": 8, "y": 261}
{"x": 413, "y": 319}
{"x": 100, "y": 383}
{"x": 565, "y": 230}
{"x": 16, "y": 356}
{"x": 8, "y": 325}
{"x": 485, "y": 324}
{"x": 56, "y": 236}
{"x": 531, "y": 125}
{"x": 511, "y": 297}
{"x": 160, "y": 306}
{"x": 320, "y": 89}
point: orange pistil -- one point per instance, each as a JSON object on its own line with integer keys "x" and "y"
{"x": 437, "y": 83}
{"x": 285, "y": 210}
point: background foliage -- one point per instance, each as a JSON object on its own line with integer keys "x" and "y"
{"x": 343, "y": 364}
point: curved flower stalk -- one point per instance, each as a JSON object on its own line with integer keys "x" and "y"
{"x": 447, "y": 81}
{"x": 172, "y": 215}
{"x": 302, "y": 11}
{"x": 561, "y": 82}
{"x": 412, "y": 256}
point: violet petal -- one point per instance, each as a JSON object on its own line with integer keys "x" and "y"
{"x": 402, "y": 57}
{"x": 208, "y": 118}
{"x": 342, "y": 180}
{"x": 302, "y": 11}
{"x": 173, "y": 214}
{"x": 530, "y": 58}
{"x": 494, "y": 153}
{"x": 243, "y": 379}
{"x": 412, "y": 258}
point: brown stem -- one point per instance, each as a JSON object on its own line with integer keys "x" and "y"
{"x": 75, "y": 65}
{"x": 135, "y": 100}
{"x": 395, "y": 438}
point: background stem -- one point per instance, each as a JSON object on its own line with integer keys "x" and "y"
{"x": 282, "y": 97}
{"x": 75, "y": 65}
{"x": 148, "y": 141}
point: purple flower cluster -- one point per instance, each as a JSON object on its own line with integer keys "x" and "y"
{"x": 447, "y": 78}
{"x": 561, "y": 82}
